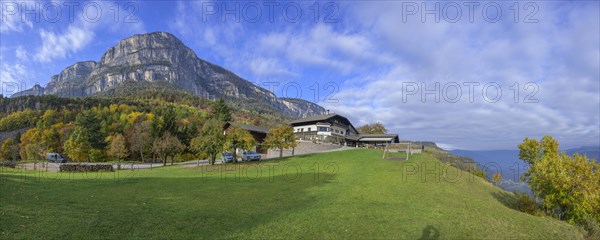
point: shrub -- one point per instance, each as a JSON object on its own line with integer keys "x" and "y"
{"x": 525, "y": 203}
{"x": 592, "y": 228}
{"x": 86, "y": 167}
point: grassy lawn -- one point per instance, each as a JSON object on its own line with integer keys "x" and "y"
{"x": 348, "y": 194}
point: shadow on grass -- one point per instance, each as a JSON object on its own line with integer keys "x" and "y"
{"x": 152, "y": 207}
{"x": 508, "y": 199}
{"x": 430, "y": 233}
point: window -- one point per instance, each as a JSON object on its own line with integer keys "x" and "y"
{"x": 323, "y": 129}
{"x": 309, "y": 129}
{"x": 301, "y": 129}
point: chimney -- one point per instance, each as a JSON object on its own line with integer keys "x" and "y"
{"x": 327, "y": 112}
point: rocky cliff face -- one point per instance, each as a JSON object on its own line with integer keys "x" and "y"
{"x": 36, "y": 90}
{"x": 161, "y": 57}
{"x": 70, "y": 82}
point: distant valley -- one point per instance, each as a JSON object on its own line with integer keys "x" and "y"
{"x": 507, "y": 162}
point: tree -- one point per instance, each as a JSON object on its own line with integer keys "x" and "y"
{"x": 33, "y": 135}
{"x": 281, "y": 137}
{"x": 51, "y": 139}
{"x": 117, "y": 149}
{"x": 9, "y": 150}
{"x": 49, "y": 118}
{"x": 210, "y": 140}
{"x": 167, "y": 146}
{"x": 238, "y": 138}
{"x": 220, "y": 111}
{"x": 496, "y": 177}
{"x": 375, "y": 128}
{"x": 139, "y": 137}
{"x": 89, "y": 121}
{"x": 78, "y": 146}
{"x": 568, "y": 186}
{"x": 34, "y": 151}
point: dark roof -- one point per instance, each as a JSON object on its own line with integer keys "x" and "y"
{"x": 314, "y": 118}
{"x": 250, "y": 127}
{"x": 318, "y": 118}
{"x": 378, "y": 135}
{"x": 361, "y": 136}
{"x": 353, "y": 137}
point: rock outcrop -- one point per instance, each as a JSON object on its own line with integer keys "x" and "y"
{"x": 161, "y": 57}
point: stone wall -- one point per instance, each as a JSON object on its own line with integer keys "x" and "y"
{"x": 304, "y": 147}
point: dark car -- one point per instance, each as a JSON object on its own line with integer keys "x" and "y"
{"x": 55, "y": 157}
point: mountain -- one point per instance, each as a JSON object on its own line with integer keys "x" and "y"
{"x": 589, "y": 151}
{"x": 36, "y": 90}
{"x": 159, "y": 58}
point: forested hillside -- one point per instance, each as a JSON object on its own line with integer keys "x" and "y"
{"x": 84, "y": 127}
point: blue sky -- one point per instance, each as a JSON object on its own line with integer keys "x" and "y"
{"x": 381, "y": 61}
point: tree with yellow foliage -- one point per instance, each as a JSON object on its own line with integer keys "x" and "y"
{"x": 568, "y": 186}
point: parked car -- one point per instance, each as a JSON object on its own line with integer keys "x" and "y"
{"x": 227, "y": 157}
{"x": 55, "y": 157}
{"x": 250, "y": 156}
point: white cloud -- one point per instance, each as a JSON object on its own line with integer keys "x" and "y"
{"x": 265, "y": 68}
{"x": 372, "y": 52}
{"x": 21, "y": 53}
{"x": 74, "y": 37}
{"x": 12, "y": 17}
{"x": 60, "y": 45}
{"x": 12, "y": 78}
{"x": 322, "y": 46}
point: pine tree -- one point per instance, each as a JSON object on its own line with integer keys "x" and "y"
{"x": 221, "y": 111}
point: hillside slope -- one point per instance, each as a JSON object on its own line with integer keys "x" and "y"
{"x": 342, "y": 195}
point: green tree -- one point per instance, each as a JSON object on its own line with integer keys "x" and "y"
{"x": 51, "y": 139}
{"x": 78, "y": 146}
{"x": 375, "y": 128}
{"x": 35, "y": 151}
{"x": 117, "y": 149}
{"x": 281, "y": 137}
{"x": 167, "y": 146}
{"x": 238, "y": 138}
{"x": 9, "y": 150}
{"x": 221, "y": 111}
{"x": 568, "y": 186}
{"x": 210, "y": 140}
{"x": 90, "y": 122}
{"x": 49, "y": 118}
{"x": 33, "y": 135}
{"x": 139, "y": 137}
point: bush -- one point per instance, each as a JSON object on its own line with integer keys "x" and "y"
{"x": 97, "y": 155}
{"x": 86, "y": 167}
{"x": 525, "y": 203}
{"x": 592, "y": 228}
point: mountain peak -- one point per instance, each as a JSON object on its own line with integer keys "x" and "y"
{"x": 161, "y": 58}
{"x": 164, "y": 37}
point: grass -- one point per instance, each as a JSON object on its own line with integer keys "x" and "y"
{"x": 348, "y": 194}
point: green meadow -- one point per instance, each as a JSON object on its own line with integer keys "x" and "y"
{"x": 341, "y": 195}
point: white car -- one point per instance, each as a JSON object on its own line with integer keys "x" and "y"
{"x": 250, "y": 156}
